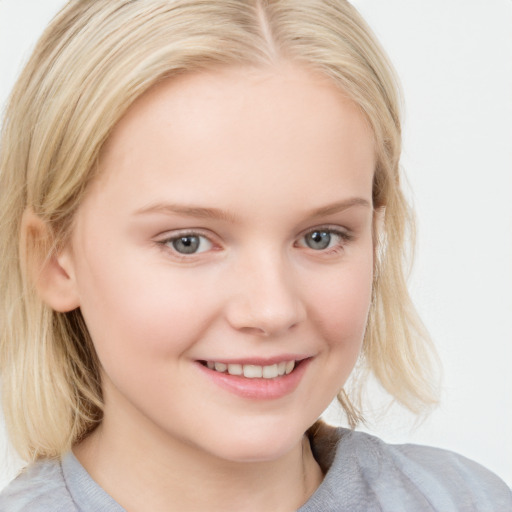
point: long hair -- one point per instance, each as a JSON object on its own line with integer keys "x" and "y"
{"x": 93, "y": 61}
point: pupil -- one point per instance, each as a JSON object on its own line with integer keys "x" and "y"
{"x": 186, "y": 244}
{"x": 318, "y": 240}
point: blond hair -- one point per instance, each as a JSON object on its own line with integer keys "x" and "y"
{"x": 92, "y": 62}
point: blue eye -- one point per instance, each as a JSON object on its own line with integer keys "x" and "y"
{"x": 318, "y": 240}
{"x": 324, "y": 238}
{"x": 189, "y": 244}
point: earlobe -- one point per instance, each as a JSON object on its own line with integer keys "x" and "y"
{"x": 49, "y": 271}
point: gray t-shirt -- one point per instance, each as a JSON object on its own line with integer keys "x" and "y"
{"x": 362, "y": 473}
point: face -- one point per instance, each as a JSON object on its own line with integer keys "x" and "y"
{"x": 223, "y": 258}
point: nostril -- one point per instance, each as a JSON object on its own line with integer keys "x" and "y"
{"x": 265, "y": 321}
{"x": 256, "y": 331}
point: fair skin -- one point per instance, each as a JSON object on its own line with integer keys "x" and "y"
{"x": 231, "y": 223}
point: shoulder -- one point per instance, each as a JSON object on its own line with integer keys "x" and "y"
{"x": 38, "y": 488}
{"x": 441, "y": 475}
{"x": 405, "y": 477}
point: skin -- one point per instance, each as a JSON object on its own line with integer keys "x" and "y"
{"x": 267, "y": 148}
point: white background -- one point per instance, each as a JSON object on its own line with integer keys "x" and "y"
{"x": 455, "y": 61}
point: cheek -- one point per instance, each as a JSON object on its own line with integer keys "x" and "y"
{"x": 134, "y": 312}
{"x": 340, "y": 304}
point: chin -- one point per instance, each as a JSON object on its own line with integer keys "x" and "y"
{"x": 268, "y": 443}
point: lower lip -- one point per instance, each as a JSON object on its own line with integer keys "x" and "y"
{"x": 258, "y": 389}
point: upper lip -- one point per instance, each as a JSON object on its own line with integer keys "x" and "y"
{"x": 260, "y": 361}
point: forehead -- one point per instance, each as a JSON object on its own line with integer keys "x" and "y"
{"x": 236, "y": 126}
{"x": 287, "y": 92}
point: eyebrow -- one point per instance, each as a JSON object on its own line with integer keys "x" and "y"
{"x": 340, "y": 206}
{"x": 225, "y": 215}
{"x": 188, "y": 211}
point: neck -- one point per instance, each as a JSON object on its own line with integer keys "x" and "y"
{"x": 154, "y": 473}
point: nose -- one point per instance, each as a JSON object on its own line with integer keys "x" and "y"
{"x": 265, "y": 299}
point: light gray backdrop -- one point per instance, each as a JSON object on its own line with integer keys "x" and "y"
{"x": 455, "y": 61}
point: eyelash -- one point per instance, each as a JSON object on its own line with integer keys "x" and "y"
{"x": 167, "y": 242}
{"x": 344, "y": 238}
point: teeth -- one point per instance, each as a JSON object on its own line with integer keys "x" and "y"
{"x": 235, "y": 369}
{"x": 252, "y": 371}
{"x": 290, "y": 365}
{"x": 221, "y": 367}
{"x": 270, "y": 372}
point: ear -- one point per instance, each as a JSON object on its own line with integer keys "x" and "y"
{"x": 379, "y": 215}
{"x": 378, "y": 231}
{"x": 50, "y": 271}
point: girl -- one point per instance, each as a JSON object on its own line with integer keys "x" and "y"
{"x": 209, "y": 235}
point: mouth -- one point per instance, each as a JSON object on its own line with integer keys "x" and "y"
{"x": 253, "y": 371}
{"x": 269, "y": 380}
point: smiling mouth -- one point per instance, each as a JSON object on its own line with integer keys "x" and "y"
{"x": 253, "y": 371}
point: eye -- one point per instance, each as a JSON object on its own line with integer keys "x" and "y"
{"x": 318, "y": 240}
{"x": 324, "y": 238}
{"x": 190, "y": 243}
